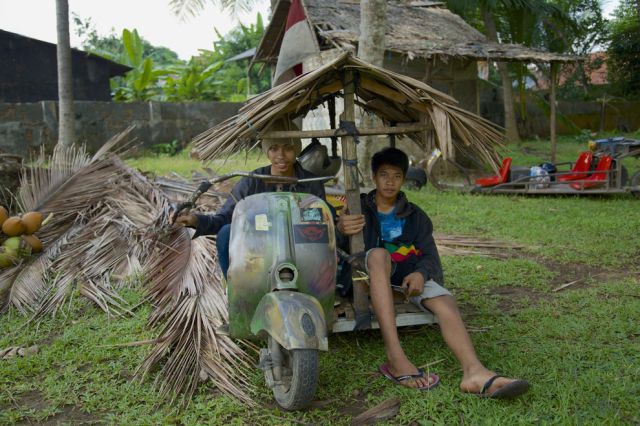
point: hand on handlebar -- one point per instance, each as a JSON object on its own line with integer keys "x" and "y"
{"x": 350, "y": 224}
{"x": 189, "y": 220}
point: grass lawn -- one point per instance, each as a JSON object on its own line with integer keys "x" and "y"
{"x": 579, "y": 347}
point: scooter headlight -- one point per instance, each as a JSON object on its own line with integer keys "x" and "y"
{"x": 286, "y": 276}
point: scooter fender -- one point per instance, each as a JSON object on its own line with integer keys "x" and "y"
{"x": 295, "y": 320}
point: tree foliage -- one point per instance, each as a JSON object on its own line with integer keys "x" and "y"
{"x": 112, "y": 46}
{"x": 561, "y": 26}
{"x": 624, "y": 49}
{"x": 231, "y": 82}
{"x": 158, "y": 74}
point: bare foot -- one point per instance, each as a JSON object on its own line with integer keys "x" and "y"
{"x": 473, "y": 382}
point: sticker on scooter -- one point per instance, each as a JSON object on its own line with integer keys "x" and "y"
{"x": 262, "y": 223}
{"x": 310, "y": 234}
{"x": 313, "y": 214}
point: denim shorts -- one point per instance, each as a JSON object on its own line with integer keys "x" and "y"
{"x": 431, "y": 288}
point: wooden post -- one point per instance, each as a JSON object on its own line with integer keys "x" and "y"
{"x": 356, "y": 242}
{"x": 552, "y": 102}
{"x": 392, "y": 137}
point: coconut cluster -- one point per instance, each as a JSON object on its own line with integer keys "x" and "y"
{"x": 18, "y": 239}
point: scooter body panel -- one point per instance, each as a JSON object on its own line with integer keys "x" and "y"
{"x": 275, "y": 231}
{"x": 295, "y": 320}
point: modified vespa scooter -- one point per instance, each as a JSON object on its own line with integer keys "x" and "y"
{"x": 281, "y": 282}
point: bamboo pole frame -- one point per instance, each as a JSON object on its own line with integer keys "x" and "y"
{"x": 350, "y": 168}
{"x": 308, "y": 134}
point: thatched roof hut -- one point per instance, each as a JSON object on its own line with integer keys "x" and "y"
{"x": 414, "y": 108}
{"x": 405, "y": 105}
{"x": 415, "y": 29}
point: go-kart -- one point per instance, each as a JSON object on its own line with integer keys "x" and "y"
{"x": 599, "y": 170}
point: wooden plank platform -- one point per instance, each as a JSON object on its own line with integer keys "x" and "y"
{"x": 406, "y": 314}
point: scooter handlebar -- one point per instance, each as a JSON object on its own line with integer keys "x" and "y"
{"x": 205, "y": 185}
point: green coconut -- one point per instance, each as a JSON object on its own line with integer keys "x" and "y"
{"x": 12, "y": 245}
{"x": 6, "y": 259}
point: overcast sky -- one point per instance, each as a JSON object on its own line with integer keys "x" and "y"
{"x": 152, "y": 18}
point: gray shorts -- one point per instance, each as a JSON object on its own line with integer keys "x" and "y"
{"x": 431, "y": 288}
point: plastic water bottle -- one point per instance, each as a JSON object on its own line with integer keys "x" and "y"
{"x": 540, "y": 176}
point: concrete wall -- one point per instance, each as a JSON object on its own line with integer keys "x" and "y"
{"x": 573, "y": 117}
{"x": 27, "y": 126}
{"x": 24, "y": 128}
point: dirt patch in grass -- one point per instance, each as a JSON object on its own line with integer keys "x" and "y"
{"x": 515, "y": 298}
{"x": 356, "y": 406}
{"x": 30, "y": 400}
{"x": 72, "y": 415}
{"x": 584, "y": 276}
{"x": 67, "y": 414}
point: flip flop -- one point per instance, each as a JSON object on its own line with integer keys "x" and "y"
{"x": 510, "y": 390}
{"x": 434, "y": 379}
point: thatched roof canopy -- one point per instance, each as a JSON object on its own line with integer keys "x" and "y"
{"x": 394, "y": 98}
{"x": 414, "y": 28}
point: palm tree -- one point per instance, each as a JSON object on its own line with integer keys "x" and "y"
{"x": 510, "y": 123}
{"x": 66, "y": 129}
{"x": 184, "y": 8}
{"x": 491, "y": 11}
{"x": 373, "y": 23}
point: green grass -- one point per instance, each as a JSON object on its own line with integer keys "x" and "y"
{"x": 184, "y": 165}
{"x": 579, "y": 347}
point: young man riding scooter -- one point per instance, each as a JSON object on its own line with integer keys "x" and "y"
{"x": 282, "y": 154}
{"x": 402, "y": 253}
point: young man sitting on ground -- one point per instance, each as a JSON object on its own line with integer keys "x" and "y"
{"x": 401, "y": 252}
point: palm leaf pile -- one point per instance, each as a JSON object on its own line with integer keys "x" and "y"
{"x": 393, "y": 97}
{"x": 110, "y": 225}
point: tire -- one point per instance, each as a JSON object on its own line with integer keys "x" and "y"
{"x": 624, "y": 177}
{"x": 299, "y": 378}
{"x": 412, "y": 184}
{"x": 635, "y": 181}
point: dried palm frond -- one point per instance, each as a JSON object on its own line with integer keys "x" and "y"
{"x": 111, "y": 224}
{"x": 33, "y": 279}
{"x": 7, "y": 277}
{"x": 391, "y": 96}
{"x": 184, "y": 285}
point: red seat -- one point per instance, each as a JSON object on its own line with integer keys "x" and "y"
{"x": 501, "y": 177}
{"x": 599, "y": 176}
{"x": 580, "y": 168}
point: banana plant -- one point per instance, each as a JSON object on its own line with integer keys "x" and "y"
{"x": 195, "y": 81}
{"x": 139, "y": 84}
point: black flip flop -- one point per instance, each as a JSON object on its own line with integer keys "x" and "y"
{"x": 508, "y": 391}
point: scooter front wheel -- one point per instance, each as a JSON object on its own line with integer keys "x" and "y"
{"x": 293, "y": 375}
